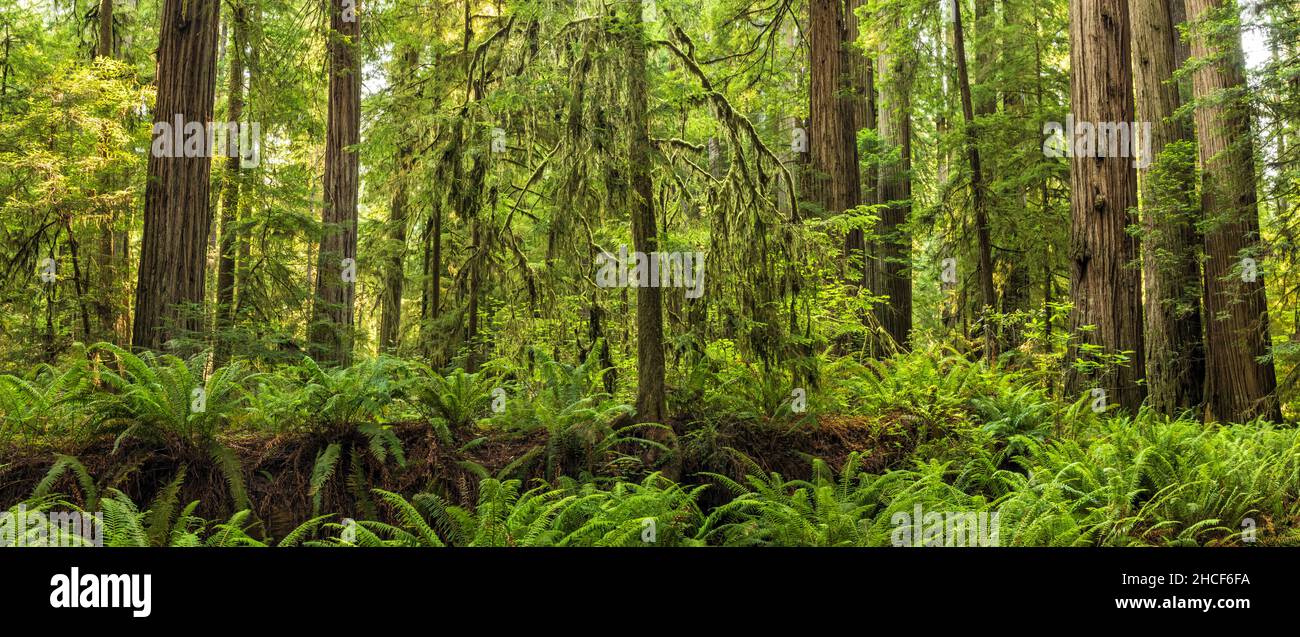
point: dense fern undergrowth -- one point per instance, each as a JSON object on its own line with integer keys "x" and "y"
{"x": 390, "y": 452}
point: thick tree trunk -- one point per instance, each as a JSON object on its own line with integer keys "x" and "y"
{"x": 176, "y": 221}
{"x": 104, "y": 47}
{"x": 332, "y": 324}
{"x": 227, "y": 246}
{"x": 1238, "y": 386}
{"x": 862, "y": 103}
{"x": 1182, "y": 50}
{"x": 390, "y": 323}
{"x": 1105, "y": 285}
{"x": 651, "y": 404}
{"x": 895, "y": 190}
{"x": 862, "y": 79}
{"x": 1175, "y": 352}
{"x": 836, "y": 184}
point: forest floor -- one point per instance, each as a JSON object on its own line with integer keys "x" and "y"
{"x": 279, "y": 467}
{"x": 291, "y": 452}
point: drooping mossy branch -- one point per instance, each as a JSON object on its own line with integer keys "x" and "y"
{"x": 681, "y": 144}
{"x": 737, "y": 125}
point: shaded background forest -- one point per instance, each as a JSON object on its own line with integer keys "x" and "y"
{"x": 670, "y": 125}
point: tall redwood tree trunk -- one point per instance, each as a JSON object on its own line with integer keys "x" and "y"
{"x": 227, "y": 243}
{"x": 836, "y": 184}
{"x": 331, "y": 329}
{"x": 862, "y": 84}
{"x": 1238, "y": 386}
{"x": 1105, "y": 285}
{"x": 1175, "y": 352}
{"x": 173, "y": 250}
{"x": 894, "y": 123}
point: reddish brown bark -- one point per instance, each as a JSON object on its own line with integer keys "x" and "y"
{"x": 1238, "y": 386}
{"x": 332, "y": 324}
{"x": 835, "y": 184}
{"x": 1105, "y": 285}
{"x": 1175, "y": 352}
{"x": 176, "y": 220}
{"x": 895, "y": 191}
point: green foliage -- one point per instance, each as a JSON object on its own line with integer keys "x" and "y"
{"x": 308, "y": 397}
{"x": 1140, "y": 480}
{"x": 322, "y": 470}
{"x": 452, "y": 402}
{"x": 985, "y": 441}
{"x": 654, "y": 512}
{"x": 567, "y": 402}
{"x": 156, "y": 398}
{"x": 39, "y": 406}
{"x": 90, "y": 491}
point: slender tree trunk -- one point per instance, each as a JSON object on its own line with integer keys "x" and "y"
{"x": 1175, "y": 352}
{"x": 871, "y": 174}
{"x": 1238, "y": 386}
{"x": 433, "y": 274}
{"x": 50, "y": 290}
{"x": 176, "y": 219}
{"x": 1016, "y": 289}
{"x": 4, "y": 67}
{"x": 651, "y": 404}
{"x": 1105, "y": 285}
{"x": 988, "y": 296}
{"x": 78, "y": 284}
{"x": 227, "y": 248}
{"x": 475, "y": 291}
{"x": 106, "y": 259}
{"x": 1045, "y": 192}
{"x": 332, "y": 324}
{"x": 895, "y": 190}
{"x": 243, "y": 240}
{"x": 394, "y": 277}
{"x": 431, "y": 301}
